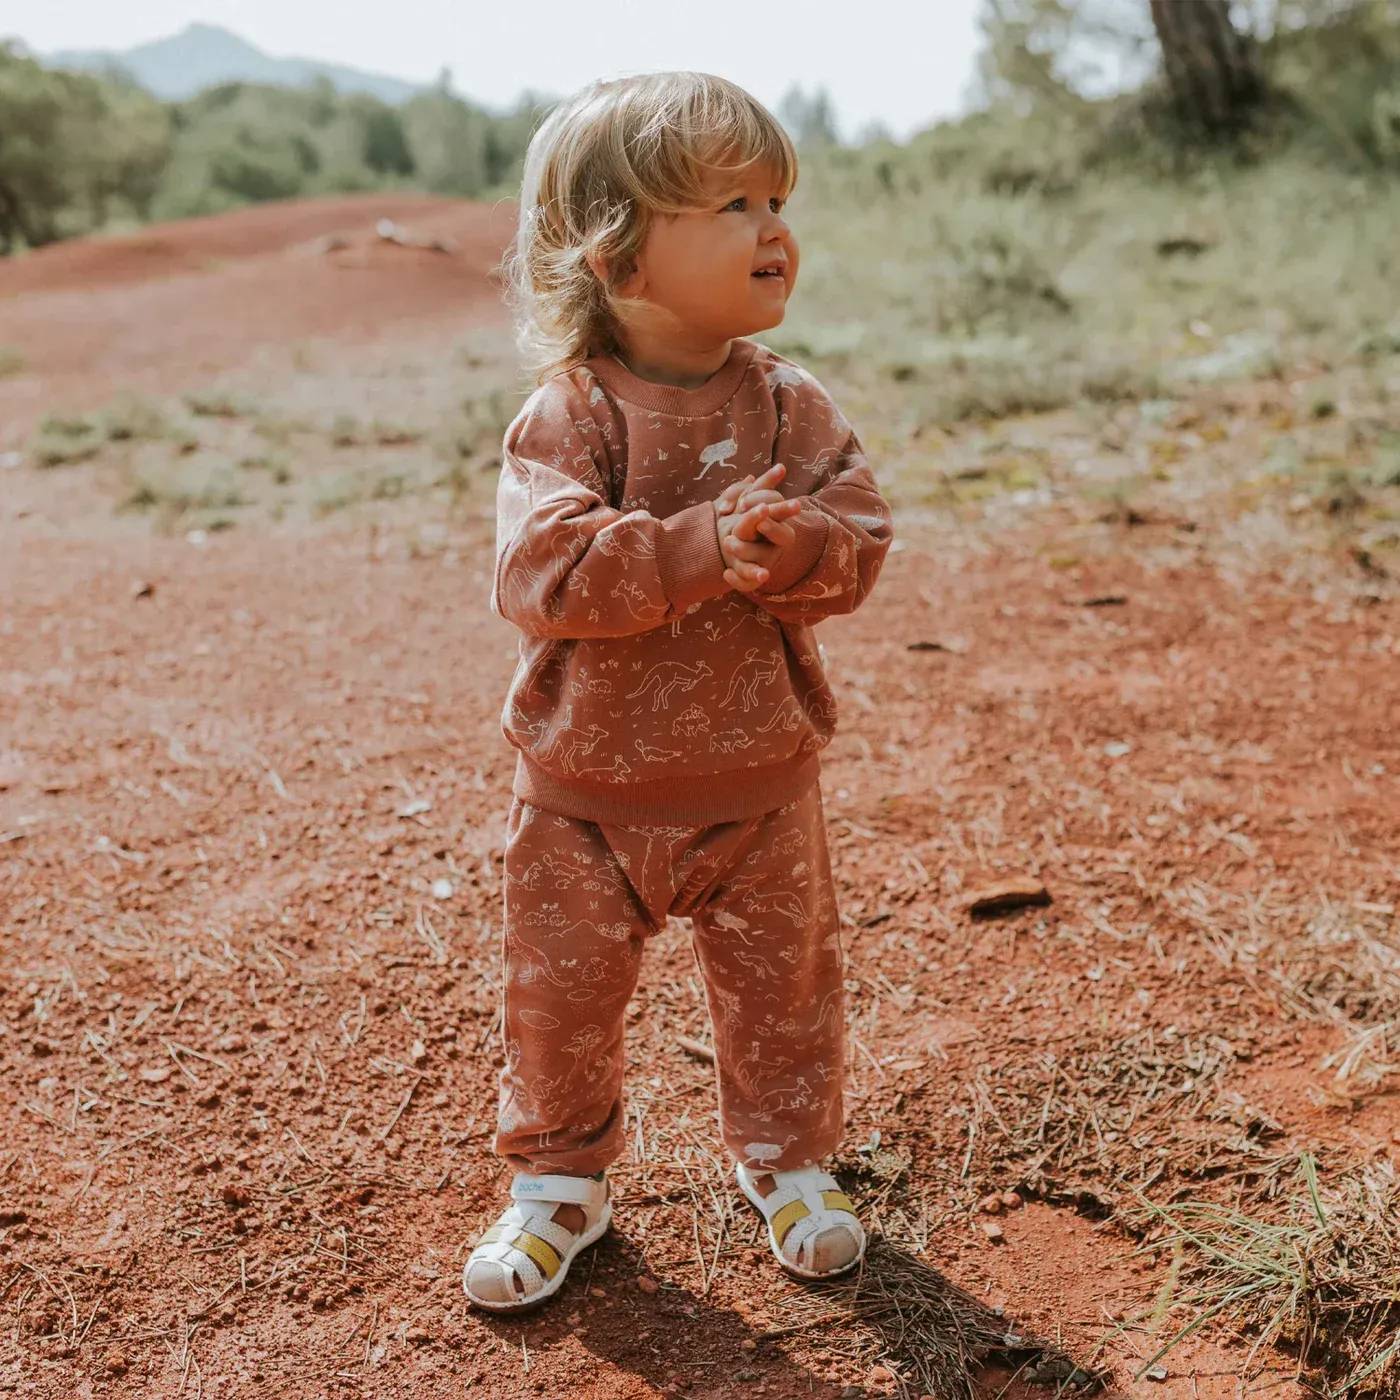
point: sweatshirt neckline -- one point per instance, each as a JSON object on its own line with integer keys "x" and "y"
{"x": 711, "y": 396}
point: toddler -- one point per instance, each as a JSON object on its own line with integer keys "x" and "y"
{"x": 678, "y": 506}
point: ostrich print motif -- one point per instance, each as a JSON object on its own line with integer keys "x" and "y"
{"x": 647, "y": 688}
{"x": 763, "y": 911}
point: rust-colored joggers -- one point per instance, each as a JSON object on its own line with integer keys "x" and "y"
{"x": 581, "y": 900}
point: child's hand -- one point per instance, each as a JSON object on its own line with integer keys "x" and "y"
{"x": 752, "y": 540}
{"x": 740, "y": 495}
{"x": 752, "y": 528}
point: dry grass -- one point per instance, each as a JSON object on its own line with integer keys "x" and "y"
{"x": 931, "y": 1335}
{"x": 1115, "y": 1121}
{"x": 1315, "y": 1274}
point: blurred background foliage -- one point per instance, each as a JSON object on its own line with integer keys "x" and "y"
{"x": 1132, "y": 167}
{"x": 82, "y": 152}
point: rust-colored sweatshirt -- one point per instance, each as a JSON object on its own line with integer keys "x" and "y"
{"x": 649, "y": 692}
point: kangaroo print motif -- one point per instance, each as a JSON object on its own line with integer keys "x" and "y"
{"x": 581, "y": 899}
{"x": 647, "y": 688}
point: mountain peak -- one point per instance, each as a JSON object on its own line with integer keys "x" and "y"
{"x": 204, "y": 55}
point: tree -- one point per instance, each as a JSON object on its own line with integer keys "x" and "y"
{"x": 811, "y": 121}
{"x": 69, "y": 143}
{"x": 1212, "y": 68}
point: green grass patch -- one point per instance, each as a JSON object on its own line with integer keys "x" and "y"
{"x": 62, "y": 440}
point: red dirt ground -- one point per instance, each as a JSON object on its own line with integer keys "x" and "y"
{"x": 249, "y": 1053}
{"x": 167, "y": 306}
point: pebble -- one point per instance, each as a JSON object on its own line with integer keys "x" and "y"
{"x": 597, "y": 1293}
{"x": 418, "y": 1053}
{"x": 1156, "y": 1373}
{"x": 646, "y": 1284}
{"x": 443, "y": 889}
{"x": 880, "y": 1375}
{"x": 115, "y": 1361}
{"x": 1018, "y": 892}
{"x": 748, "y": 1344}
{"x": 157, "y": 1074}
{"x": 1011, "y": 1200}
{"x": 993, "y": 1204}
{"x": 10, "y": 460}
{"x": 993, "y": 1232}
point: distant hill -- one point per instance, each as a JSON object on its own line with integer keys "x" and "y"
{"x": 204, "y": 55}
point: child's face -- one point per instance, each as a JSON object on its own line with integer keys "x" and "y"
{"x": 722, "y": 271}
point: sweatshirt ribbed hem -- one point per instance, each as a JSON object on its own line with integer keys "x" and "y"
{"x": 703, "y": 800}
{"x": 709, "y": 398}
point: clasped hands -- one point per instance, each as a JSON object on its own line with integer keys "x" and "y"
{"x": 752, "y": 517}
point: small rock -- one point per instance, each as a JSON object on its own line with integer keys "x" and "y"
{"x": 1011, "y": 1200}
{"x": 415, "y": 808}
{"x": 393, "y": 1148}
{"x": 1156, "y": 1373}
{"x": 748, "y": 1344}
{"x": 198, "y": 537}
{"x": 574, "y": 1319}
{"x": 993, "y": 1204}
{"x": 993, "y": 1232}
{"x": 880, "y": 1375}
{"x": 647, "y": 1284}
{"x": 418, "y": 1334}
{"x": 1019, "y": 892}
{"x": 234, "y": 1196}
{"x": 418, "y": 1052}
{"x": 1117, "y": 750}
{"x": 10, "y": 460}
{"x": 443, "y": 889}
{"x": 208, "y": 1099}
{"x": 156, "y": 1074}
{"x": 115, "y": 1362}
{"x": 141, "y": 589}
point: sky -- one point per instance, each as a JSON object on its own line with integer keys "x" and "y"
{"x": 902, "y": 63}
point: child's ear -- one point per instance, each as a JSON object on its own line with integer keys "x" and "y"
{"x": 631, "y": 286}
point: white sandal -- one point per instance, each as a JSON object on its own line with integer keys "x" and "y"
{"x": 813, "y": 1228}
{"x": 526, "y": 1244}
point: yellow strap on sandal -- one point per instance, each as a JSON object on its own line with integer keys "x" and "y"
{"x": 544, "y": 1254}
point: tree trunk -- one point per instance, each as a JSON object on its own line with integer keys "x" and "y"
{"x": 1212, "y": 69}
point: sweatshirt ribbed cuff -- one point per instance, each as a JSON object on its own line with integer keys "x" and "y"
{"x": 797, "y": 561}
{"x": 688, "y": 557}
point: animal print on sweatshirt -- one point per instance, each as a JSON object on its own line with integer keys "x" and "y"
{"x": 648, "y": 690}
{"x": 581, "y": 899}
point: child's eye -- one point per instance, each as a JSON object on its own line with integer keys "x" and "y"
{"x": 776, "y": 205}
{"x": 737, "y": 205}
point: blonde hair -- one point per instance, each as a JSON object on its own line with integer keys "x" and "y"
{"x": 600, "y": 169}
